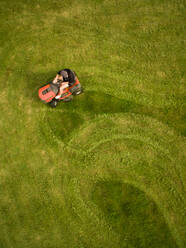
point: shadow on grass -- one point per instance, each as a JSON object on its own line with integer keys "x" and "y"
{"x": 83, "y": 107}
{"x": 91, "y": 103}
{"x": 133, "y": 215}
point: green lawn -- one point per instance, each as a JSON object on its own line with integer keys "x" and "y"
{"x": 106, "y": 170}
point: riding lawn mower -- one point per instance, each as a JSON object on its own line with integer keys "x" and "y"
{"x": 48, "y": 92}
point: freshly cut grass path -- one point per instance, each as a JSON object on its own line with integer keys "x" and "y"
{"x": 108, "y": 168}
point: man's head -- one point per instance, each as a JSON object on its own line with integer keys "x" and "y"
{"x": 63, "y": 76}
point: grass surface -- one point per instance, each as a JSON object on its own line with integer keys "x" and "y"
{"x": 108, "y": 168}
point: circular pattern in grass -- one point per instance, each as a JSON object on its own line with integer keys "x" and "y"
{"x": 62, "y": 123}
{"x": 137, "y": 150}
{"x": 129, "y": 210}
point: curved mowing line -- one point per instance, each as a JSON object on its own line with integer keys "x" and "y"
{"x": 84, "y": 207}
{"x": 157, "y": 147}
{"x": 156, "y": 134}
{"x": 155, "y": 144}
{"x": 129, "y": 128}
{"x": 129, "y": 137}
{"x": 87, "y": 212}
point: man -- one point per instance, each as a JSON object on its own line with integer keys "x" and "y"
{"x": 65, "y": 78}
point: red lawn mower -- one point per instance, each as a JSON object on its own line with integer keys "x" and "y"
{"x": 48, "y": 93}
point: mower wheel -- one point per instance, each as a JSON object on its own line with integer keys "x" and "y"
{"x": 53, "y": 103}
{"x": 78, "y": 92}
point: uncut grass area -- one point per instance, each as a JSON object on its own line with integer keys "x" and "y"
{"x": 106, "y": 170}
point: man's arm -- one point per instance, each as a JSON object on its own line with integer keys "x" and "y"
{"x": 55, "y": 79}
{"x": 62, "y": 87}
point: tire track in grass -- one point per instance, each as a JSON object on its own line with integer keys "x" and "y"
{"x": 167, "y": 187}
{"x": 87, "y": 219}
{"x": 155, "y": 173}
{"x": 70, "y": 116}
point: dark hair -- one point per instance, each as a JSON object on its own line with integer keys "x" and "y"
{"x": 68, "y": 75}
{"x": 64, "y": 75}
